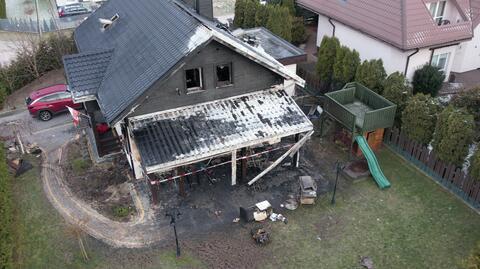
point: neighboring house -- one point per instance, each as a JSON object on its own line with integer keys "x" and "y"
{"x": 176, "y": 89}
{"x": 467, "y": 56}
{"x": 405, "y": 34}
{"x": 277, "y": 47}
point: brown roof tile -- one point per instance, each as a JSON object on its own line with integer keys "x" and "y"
{"x": 475, "y": 12}
{"x": 406, "y": 24}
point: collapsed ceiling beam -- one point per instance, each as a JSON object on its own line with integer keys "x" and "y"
{"x": 291, "y": 151}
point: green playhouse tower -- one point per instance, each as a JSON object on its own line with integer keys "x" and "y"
{"x": 365, "y": 115}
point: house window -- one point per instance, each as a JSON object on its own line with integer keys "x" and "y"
{"x": 224, "y": 74}
{"x": 193, "y": 78}
{"x": 437, "y": 9}
{"x": 440, "y": 61}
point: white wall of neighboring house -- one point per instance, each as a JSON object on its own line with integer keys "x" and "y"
{"x": 451, "y": 51}
{"x": 467, "y": 56}
{"x": 369, "y": 48}
{"x": 417, "y": 61}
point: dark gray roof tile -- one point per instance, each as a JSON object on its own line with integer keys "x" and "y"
{"x": 85, "y": 71}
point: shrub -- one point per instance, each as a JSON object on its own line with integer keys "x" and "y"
{"x": 249, "y": 14}
{"x": 326, "y": 59}
{"x": 419, "y": 118}
{"x": 3, "y": 95}
{"x": 261, "y": 16}
{"x": 239, "y": 13}
{"x": 345, "y": 66}
{"x": 299, "y": 33}
{"x": 470, "y": 100}
{"x": 280, "y": 22}
{"x": 6, "y": 214}
{"x": 371, "y": 74}
{"x": 290, "y": 5}
{"x": 79, "y": 165}
{"x": 453, "y": 135}
{"x": 35, "y": 59}
{"x": 474, "y": 169}
{"x": 397, "y": 90}
{"x": 428, "y": 80}
{"x": 121, "y": 211}
{"x": 3, "y": 9}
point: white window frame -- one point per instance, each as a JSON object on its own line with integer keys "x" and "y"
{"x": 436, "y": 60}
{"x": 194, "y": 89}
{"x": 437, "y": 17}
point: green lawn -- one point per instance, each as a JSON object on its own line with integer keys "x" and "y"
{"x": 44, "y": 240}
{"x": 414, "y": 224}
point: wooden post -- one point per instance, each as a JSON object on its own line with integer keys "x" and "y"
{"x": 244, "y": 165}
{"x": 234, "y": 167}
{"x": 296, "y": 157}
{"x": 181, "y": 183}
{"x": 154, "y": 190}
{"x": 290, "y": 152}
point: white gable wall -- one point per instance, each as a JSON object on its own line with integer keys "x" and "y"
{"x": 467, "y": 56}
{"x": 369, "y": 48}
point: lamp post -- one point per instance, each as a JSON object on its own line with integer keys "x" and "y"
{"x": 173, "y": 214}
{"x": 338, "y": 167}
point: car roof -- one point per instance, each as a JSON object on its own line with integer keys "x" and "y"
{"x": 48, "y": 90}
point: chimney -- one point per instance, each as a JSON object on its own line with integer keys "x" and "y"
{"x": 202, "y": 7}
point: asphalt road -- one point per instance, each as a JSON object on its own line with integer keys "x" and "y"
{"x": 48, "y": 135}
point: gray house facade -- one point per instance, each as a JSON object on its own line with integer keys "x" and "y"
{"x": 176, "y": 90}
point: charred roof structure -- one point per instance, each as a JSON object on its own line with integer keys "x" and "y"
{"x": 148, "y": 43}
{"x": 275, "y": 46}
{"x": 176, "y": 89}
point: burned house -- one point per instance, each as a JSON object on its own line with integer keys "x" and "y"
{"x": 175, "y": 89}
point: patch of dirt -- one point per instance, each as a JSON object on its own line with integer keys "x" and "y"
{"x": 233, "y": 248}
{"x": 103, "y": 185}
{"x": 17, "y": 99}
{"x": 359, "y": 166}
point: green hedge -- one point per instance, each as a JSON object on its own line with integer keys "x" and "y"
{"x": 3, "y": 10}
{"x": 32, "y": 63}
{"x": 6, "y": 214}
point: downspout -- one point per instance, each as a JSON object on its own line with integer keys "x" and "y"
{"x": 431, "y": 56}
{"x": 333, "y": 26}
{"x": 408, "y": 61}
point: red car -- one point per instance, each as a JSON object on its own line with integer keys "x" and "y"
{"x": 46, "y": 102}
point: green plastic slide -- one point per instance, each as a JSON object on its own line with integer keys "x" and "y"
{"x": 377, "y": 173}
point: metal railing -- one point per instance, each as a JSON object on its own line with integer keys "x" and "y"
{"x": 28, "y": 25}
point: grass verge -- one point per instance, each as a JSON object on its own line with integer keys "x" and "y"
{"x": 414, "y": 224}
{"x": 6, "y": 213}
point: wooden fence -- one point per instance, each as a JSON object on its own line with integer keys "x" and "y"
{"x": 312, "y": 83}
{"x": 447, "y": 174}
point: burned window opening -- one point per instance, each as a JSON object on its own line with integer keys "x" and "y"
{"x": 193, "y": 78}
{"x": 224, "y": 75}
